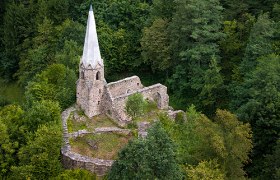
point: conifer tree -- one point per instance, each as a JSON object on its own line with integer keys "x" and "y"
{"x": 260, "y": 43}
{"x": 195, "y": 30}
{"x": 257, "y": 101}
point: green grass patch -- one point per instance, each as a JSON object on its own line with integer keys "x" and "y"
{"x": 10, "y": 93}
{"x": 74, "y": 126}
{"x": 101, "y": 121}
{"x": 104, "y": 146}
{"x": 149, "y": 117}
{"x": 89, "y": 124}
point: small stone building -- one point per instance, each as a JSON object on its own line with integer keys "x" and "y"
{"x": 95, "y": 96}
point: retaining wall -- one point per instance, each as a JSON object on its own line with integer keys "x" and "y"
{"x": 72, "y": 160}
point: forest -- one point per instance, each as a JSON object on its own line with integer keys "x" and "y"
{"x": 219, "y": 59}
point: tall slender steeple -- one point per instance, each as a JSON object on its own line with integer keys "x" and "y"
{"x": 91, "y": 52}
{"x": 91, "y": 82}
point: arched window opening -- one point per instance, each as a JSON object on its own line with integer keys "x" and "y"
{"x": 98, "y": 102}
{"x": 158, "y": 99}
{"x": 82, "y": 75}
{"x": 98, "y": 76}
{"x": 128, "y": 91}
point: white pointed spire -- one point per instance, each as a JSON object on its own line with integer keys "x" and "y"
{"x": 91, "y": 53}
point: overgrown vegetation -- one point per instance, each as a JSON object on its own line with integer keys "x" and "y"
{"x": 84, "y": 122}
{"x": 10, "y": 93}
{"x": 215, "y": 54}
{"x": 103, "y": 146}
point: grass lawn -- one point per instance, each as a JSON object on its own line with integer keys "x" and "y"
{"x": 106, "y": 146}
{"x": 89, "y": 124}
{"x": 149, "y": 117}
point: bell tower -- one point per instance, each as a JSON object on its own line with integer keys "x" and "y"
{"x": 91, "y": 82}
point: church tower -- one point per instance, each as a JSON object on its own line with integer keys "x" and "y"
{"x": 91, "y": 82}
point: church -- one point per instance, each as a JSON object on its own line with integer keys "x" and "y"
{"x": 95, "y": 96}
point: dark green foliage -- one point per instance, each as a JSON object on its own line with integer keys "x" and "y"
{"x": 234, "y": 9}
{"x": 155, "y": 45}
{"x": 69, "y": 56}
{"x": 15, "y": 30}
{"x": 225, "y": 139}
{"x": 151, "y": 158}
{"x": 70, "y": 31}
{"x": 163, "y": 9}
{"x": 56, "y": 83}
{"x": 41, "y": 55}
{"x": 212, "y": 90}
{"x": 162, "y": 159}
{"x": 40, "y": 158}
{"x": 42, "y": 112}
{"x": 258, "y": 102}
{"x": 13, "y": 118}
{"x": 131, "y": 163}
{"x": 7, "y": 150}
{"x": 271, "y": 168}
{"x": 233, "y": 45}
{"x": 76, "y": 174}
{"x": 206, "y": 59}
{"x": 129, "y": 16}
{"x": 180, "y": 118}
{"x": 260, "y": 43}
{"x": 56, "y": 11}
{"x": 4, "y": 101}
{"x": 194, "y": 43}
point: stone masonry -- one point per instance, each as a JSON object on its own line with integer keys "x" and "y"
{"x": 95, "y": 96}
{"x": 72, "y": 160}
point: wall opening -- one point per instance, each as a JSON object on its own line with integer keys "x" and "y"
{"x": 99, "y": 91}
{"x": 128, "y": 91}
{"x": 98, "y": 102}
{"x": 158, "y": 99}
{"x": 137, "y": 84}
{"x": 98, "y": 75}
{"x": 82, "y": 75}
{"x": 109, "y": 112}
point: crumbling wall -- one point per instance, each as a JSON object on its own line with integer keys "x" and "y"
{"x": 125, "y": 86}
{"x": 157, "y": 93}
{"x": 109, "y": 107}
{"x": 72, "y": 160}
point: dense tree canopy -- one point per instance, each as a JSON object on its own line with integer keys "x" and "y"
{"x": 210, "y": 53}
{"x": 151, "y": 158}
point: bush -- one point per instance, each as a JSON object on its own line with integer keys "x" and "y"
{"x": 135, "y": 105}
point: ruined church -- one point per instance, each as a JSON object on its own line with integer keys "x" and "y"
{"x": 95, "y": 96}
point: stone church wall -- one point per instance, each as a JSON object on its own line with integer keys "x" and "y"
{"x": 125, "y": 86}
{"x": 157, "y": 93}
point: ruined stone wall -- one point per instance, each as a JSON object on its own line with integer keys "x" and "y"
{"x": 82, "y": 93}
{"x": 90, "y": 87}
{"x": 125, "y": 86}
{"x": 157, "y": 93}
{"x": 72, "y": 160}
